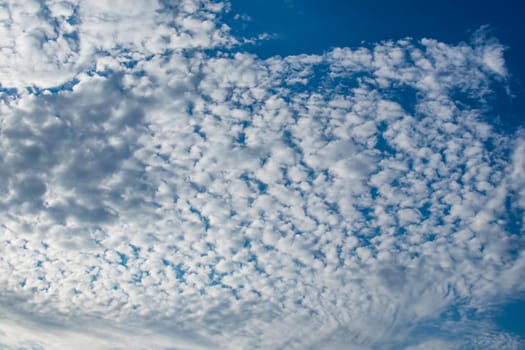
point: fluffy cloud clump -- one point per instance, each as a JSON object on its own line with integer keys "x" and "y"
{"x": 163, "y": 189}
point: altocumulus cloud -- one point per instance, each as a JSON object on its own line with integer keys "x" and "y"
{"x": 162, "y": 189}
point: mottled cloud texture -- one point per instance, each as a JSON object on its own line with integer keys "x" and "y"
{"x": 163, "y": 190}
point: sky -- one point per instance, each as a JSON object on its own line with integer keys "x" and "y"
{"x": 310, "y": 26}
{"x": 281, "y": 174}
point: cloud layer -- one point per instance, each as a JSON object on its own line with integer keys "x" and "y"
{"x": 162, "y": 189}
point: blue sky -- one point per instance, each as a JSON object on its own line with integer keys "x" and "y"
{"x": 281, "y": 174}
{"x": 309, "y": 26}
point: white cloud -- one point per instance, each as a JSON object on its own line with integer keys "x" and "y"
{"x": 42, "y": 332}
{"x": 224, "y": 201}
{"x": 48, "y": 43}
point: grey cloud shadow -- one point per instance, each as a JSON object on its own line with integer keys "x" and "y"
{"x": 70, "y": 145}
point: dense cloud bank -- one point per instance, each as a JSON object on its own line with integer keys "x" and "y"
{"x": 162, "y": 188}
